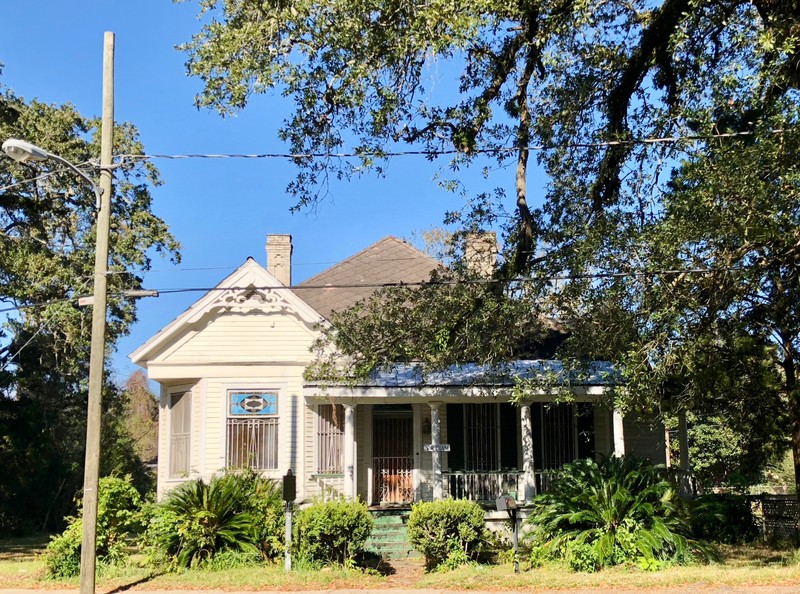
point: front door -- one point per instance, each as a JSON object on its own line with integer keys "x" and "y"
{"x": 392, "y": 454}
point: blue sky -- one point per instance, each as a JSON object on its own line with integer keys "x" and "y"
{"x": 220, "y": 210}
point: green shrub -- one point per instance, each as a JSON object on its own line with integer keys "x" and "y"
{"x": 723, "y": 518}
{"x": 262, "y": 500}
{"x": 209, "y": 520}
{"x": 332, "y": 531}
{"x": 622, "y": 508}
{"x": 156, "y": 541}
{"x": 447, "y": 532}
{"x": 118, "y": 505}
{"x": 582, "y": 557}
{"x": 238, "y": 513}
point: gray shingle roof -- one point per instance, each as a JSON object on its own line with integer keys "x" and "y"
{"x": 390, "y": 260}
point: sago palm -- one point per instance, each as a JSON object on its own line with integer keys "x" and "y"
{"x": 623, "y": 508}
{"x": 210, "y": 519}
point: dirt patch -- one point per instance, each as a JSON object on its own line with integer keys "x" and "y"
{"x": 404, "y": 573}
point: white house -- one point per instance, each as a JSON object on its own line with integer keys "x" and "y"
{"x": 232, "y": 394}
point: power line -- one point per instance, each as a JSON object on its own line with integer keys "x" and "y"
{"x": 426, "y": 153}
{"x": 412, "y": 284}
{"x": 445, "y": 152}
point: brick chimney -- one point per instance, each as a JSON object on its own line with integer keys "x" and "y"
{"x": 480, "y": 253}
{"x": 279, "y": 258}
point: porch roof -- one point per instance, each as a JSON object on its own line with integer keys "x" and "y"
{"x": 552, "y": 372}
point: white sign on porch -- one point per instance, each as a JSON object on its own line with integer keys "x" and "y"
{"x": 437, "y": 447}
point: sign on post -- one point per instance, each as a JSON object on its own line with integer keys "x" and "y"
{"x": 437, "y": 447}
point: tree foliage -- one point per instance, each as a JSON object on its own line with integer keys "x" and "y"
{"x": 671, "y": 256}
{"x": 47, "y": 238}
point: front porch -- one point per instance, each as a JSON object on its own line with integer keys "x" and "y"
{"x": 405, "y": 436}
{"x": 397, "y": 454}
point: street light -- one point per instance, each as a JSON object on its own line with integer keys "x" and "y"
{"x": 22, "y": 151}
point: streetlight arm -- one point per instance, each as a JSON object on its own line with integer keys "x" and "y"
{"x": 22, "y": 151}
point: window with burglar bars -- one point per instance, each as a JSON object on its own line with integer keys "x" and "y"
{"x": 180, "y": 429}
{"x": 480, "y": 437}
{"x": 330, "y": 435}
{"x": 558, "y": 435}
{"x": 252, "y": 431}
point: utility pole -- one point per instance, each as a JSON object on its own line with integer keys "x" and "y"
{"x": 91, "y": 474}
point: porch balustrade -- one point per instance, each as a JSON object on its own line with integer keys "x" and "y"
{"x": 482, "y": 486}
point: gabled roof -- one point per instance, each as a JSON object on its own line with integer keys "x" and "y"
{"x": 249, "y": 287}
{"x": 390, "y": 260}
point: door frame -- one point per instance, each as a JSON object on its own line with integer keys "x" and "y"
{"x": 413, "y": 413}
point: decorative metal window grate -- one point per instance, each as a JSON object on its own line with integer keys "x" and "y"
{"x": 480, "y": 437}
{"x": 558, "y": 435}
{"x": 252, "y": 430}
{"x": 330, "y": 431}
{"x": 180, "y": 431}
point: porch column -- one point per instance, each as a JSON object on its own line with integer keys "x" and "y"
{"x": 349, "y": 451}
{"x": 528, "y": 478}
{"x": 619, "y": 433}
{"x": 683, "y": 440}
{"x": 436, "y": 456}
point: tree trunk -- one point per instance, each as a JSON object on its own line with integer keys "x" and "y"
{"x": 793, "y": 395}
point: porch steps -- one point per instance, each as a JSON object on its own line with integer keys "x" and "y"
{"x": 389, "y": 537}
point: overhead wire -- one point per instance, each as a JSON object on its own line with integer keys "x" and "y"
{"x": 303, "y": 287}
{"x": 419, "y": 152}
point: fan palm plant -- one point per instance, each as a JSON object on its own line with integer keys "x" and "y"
{"x": 621, "y": 509}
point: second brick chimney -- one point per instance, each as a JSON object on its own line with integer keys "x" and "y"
{"x": 480, "y": 253}
{"x": 279, "y": 258}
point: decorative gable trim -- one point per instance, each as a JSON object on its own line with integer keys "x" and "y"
{"x": 249, "y": 289}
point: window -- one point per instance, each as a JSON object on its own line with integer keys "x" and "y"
{"x": 252, "y": 431}
{"x": 480, "y": 430}
{"x": 558, "y": 435}
{"x": 180, "y": 430}
{"x": 330, "y": 423}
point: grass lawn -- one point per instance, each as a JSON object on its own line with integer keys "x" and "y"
{"x": 21, "y": 566}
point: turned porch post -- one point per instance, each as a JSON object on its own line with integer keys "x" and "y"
{"x": 349, "y": 451}
{"x": 528, "y": 478}
{"x": 436, "y": 455}
{"x": 619, "y": 433}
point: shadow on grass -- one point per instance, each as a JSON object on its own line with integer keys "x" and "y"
{"x": 375, "y": 562}
{"x": 133, "y": 584}
{"x": 755, "y": 554}
{"x": 25, "y": 547}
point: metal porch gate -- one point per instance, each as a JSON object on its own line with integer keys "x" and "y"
{"x": 392, "y": 455}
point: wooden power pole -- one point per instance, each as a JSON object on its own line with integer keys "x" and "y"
{"x": 91, "y": 476}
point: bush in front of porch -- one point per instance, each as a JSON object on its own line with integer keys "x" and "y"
{"x": 332, "y": 532}
{"x": 236, "y": 514}
{"x": 618, "y": 511}
{"x": 448, "y": 532}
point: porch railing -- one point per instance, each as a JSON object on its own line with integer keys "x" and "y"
{"x": 687, "y": 486}
{"x": 487, "y": 486}
{"x": 482, "y": 486}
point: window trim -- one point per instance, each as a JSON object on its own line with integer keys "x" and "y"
{"x": 274, "y": 418}
{"x": 180, "y": 393}
{"x": 318, "y": 439}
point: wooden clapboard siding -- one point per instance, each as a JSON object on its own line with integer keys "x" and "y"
{"x": 311, "y": 487}
{"x": 252, "y": 337}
